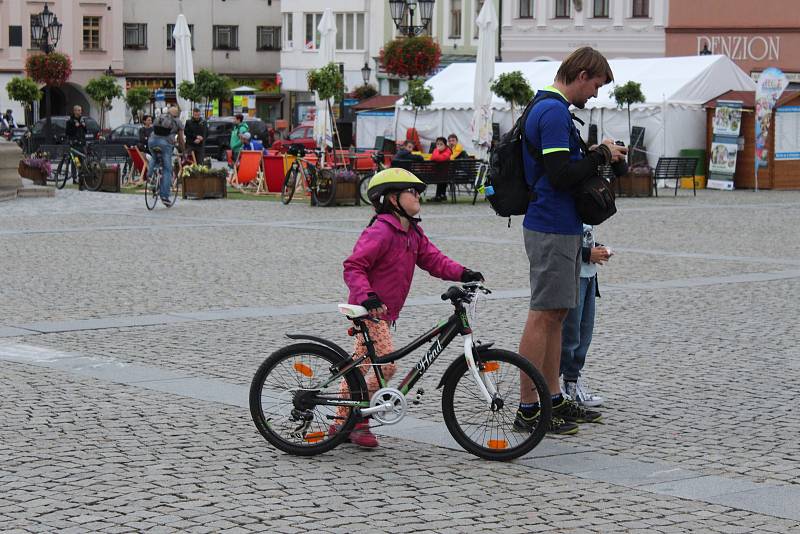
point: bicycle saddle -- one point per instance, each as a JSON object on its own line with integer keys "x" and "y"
{"x": 353, "y": 311}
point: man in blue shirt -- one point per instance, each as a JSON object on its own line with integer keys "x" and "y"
{"x": 552, "y": 228}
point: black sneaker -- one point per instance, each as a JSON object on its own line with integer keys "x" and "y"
{"x": 571, "y": 411}
{"x": 557, "y": 425}
{"x": 167, "y": 202}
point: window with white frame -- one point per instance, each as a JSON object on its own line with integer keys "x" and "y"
{"x": 526, "y": 9}
{"x": 135, "y": 36}
{"x": 562, "y": 9}
{"x": 478, "y": 7}
{"x": 91, "y": 33}
{"x": 600, "y": 10}
{"x": 268, "y": 37}
{"x": 226, "y": 37}
{"x": 455, "y": 19}
{"x": 312, "y": 33}
{"x": 288, "y": 30}
{"x": 641, "y": 9}
{"x": 349, "y": 31}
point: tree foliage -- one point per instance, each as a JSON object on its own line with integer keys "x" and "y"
{"x": 418, "y": 96}
{"x": 136, "y": 98}
{"x": 327, "y": 81}
{"x": 103, "y": 90}
{"x": 514, "y": 88}
{"x": 23, "y": 90}
{"x": 362, "y": 92}
{"x": 627, "y": 94}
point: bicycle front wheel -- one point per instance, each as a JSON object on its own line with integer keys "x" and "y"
{"x": 325, "y": 187}
{"x": 151, "y": 188}
{"x": 289, "y": 184}
{"x": 489, "y": 432}
{"x": 64, "y": 169}
{"x": 363, "y": 185}
{"x": 307, "y": 427}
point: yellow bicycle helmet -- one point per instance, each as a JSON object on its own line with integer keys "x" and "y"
{"x": 392, "y": 179}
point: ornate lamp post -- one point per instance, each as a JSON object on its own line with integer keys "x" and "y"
{"x": 365, "y": 73}
{"x": 403, "y": 15}
{"x": 46, "y": 30}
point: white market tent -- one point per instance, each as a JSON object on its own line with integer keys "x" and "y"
{"x": 675, "y": 89}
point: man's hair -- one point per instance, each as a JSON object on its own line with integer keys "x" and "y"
{"x": 239, "y": 116}
{"x": 454, "y": 136}
{"x": 8, "y": 111}
{"x": 145, "y": 117}
{"x": 584, "y": 59}
{"x": 196, "y": 110}
{"x": 409, "y": 142}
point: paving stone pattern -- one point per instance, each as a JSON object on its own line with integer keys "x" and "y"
{"x": 698, "y": 372}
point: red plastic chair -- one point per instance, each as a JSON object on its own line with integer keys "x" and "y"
{"x": 139, "y": 165}
{"x": 249, "y": 171}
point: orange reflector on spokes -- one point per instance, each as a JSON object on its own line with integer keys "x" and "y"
{"x": 497, "y": 444}
{"x": 313, "y": 437}
{"x": 489, "y": 367}
{"x": 303, "y": 369}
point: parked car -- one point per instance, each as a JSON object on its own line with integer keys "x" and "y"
{"x": 301, "y": 135}
{"x": 219, "y": 134}
{"x": 124, "y": 134}
{"x": 58, "y": 125}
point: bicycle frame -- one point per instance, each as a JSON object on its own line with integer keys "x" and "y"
{"x": 444, "y": 332}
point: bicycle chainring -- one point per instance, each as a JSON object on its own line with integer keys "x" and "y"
{"x": 396, "y": 399}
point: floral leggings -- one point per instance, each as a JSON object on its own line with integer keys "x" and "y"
{"x": 382, "y": 340}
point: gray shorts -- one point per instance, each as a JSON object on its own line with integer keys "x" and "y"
{"x": 555, "y": 272}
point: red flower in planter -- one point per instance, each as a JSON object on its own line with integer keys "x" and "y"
{"x": 411, "y": 57}
{"x": 52, "y": 69}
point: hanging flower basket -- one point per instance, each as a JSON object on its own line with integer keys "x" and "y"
{"x": 411, "y": 57}
{"x": 52, "y": 69}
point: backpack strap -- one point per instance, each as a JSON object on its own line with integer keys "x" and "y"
{"x": 536, "y": 152}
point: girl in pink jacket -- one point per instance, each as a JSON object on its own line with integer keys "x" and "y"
{"x": 379, "y": 271}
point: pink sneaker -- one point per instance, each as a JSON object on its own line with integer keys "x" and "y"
{"x": 362, "y": 436}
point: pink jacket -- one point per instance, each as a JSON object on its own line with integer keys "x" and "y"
{"x": 383, "y": 261}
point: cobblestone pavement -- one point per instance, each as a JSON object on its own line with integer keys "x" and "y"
{"x": 695, "y": 350}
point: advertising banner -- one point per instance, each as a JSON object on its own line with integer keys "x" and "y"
{"x": 770, "y": 86}
{"x": 724, "y": 146}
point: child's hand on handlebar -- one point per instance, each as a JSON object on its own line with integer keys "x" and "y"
{"x": 471, "y": 276}
{"x": 374, "y": 305}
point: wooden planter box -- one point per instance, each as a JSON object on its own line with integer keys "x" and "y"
{"x": 634, "y": 184}
{"x": 32, "y": 173}
{"x": 111, "y": 182}
{"x": 346, "y": 193}
{"x": 199, "y": 186}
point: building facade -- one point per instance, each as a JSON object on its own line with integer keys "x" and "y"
{"x": 89, "y": 36}
{"x": 545, "y": 30}
{"x": 755, "y": 35}
{"x": 238, "y": 38}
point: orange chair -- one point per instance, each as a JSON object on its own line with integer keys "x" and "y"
{"x": 138, "y": 167}
{"x": 249, "y": 172}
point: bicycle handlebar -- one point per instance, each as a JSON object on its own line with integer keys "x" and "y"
{"x": 465, "y": 292}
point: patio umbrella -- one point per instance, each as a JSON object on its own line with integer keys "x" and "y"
{"x": 184, "y": 65}
{"x": 481, "y": 124}
{"x": 327, "y": 46}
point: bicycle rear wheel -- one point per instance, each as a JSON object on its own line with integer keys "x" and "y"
{"x": 489, "y": 433}
{"x": 363, "y": 185}
{"x": 64, "y": 169}
{"x": 312, "y": 428}
{"x": 92, "y": 172}
{"x": 151, "y": 187}
{"x": 289, "y": 185}
{"x": 325, "y": 187}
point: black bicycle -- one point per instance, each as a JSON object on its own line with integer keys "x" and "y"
{"x": 297, "y": 405}
{"x": 152, "y": 188}
{"x": 82, "y": 165}
{"x": 309, "y": 177}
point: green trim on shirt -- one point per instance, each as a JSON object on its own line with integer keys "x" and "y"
{"x": 554, "y": 90}
{"x": 551, "y": 150}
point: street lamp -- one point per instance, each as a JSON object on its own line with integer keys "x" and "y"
{"x": 365, "y": 73}
{"x": 403, "y": 10}
{"x": 109, "y": 71}
{"x": 46, "y": 30}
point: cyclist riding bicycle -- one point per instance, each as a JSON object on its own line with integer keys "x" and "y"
{"x": 167, "y": 129}
{"x": 379, "y": 271}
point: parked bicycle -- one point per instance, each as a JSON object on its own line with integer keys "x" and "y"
{"x": 295, "y": 393}
{"x": 307, "y": 175}
{"x": 152, "y": 187}
{"x": 82, "y": 165}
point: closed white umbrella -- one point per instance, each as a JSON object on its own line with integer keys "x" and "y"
{"x": 327, "y": 45}
{"x": 481, "y": 124}
{"x": 184, "y": 65}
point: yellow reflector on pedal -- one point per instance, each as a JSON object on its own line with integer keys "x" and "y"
{"x": 303, "y": 369}
{"x": 489, "y": 367}
{"x": 314, "y": 437}
{"x": 497, "y": 444}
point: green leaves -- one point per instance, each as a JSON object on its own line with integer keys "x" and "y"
{"x": 136, "y": 98}
{"x": 419, "y": 95}
{"x": 23, "y": 90}
{"x": 211, "y": 86}
{"x": 103, "y": 90}
{"x": 327, "y": 81}
{"x": 512, "y": 87}
{"x": 627, "y": 94}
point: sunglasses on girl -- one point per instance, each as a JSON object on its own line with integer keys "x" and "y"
{"x": 411, "y": 190}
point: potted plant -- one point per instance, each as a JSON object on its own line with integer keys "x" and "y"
{"x": 418, "y": 97}
{"x": 411, "y": 57}
{"x": 625, "y": 95}
{"x": 136, "y": 98}
{"x": 363, "y": 92}
{"x": 328, "y": 83}
{"x": 201, "y": 181}
{"x": 26, "y": 92}
{"x": 346, "y": 185}
{"x": 514, "y": 88}
{"x": 103, "y": 90}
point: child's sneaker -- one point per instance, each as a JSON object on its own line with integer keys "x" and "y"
{"x": 586, "y": 397}
{"x": 571, "y": 411}
{"x": 557, "y": 425}
{"x": 362, "y": 436}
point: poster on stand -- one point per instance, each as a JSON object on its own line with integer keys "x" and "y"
{"x": 787, "y": 133}
{"x": 771, "y": 85}
{"x": 724, "y": 146}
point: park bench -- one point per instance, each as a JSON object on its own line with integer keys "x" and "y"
{"x": 675, "y": 169}
{"x": 453, "y": 173}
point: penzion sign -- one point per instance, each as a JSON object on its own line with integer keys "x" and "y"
{"x": 742, "y": 47}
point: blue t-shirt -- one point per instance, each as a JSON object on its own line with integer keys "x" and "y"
{"x": 549, "y": 127}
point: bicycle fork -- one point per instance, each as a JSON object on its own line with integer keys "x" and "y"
{"x": 485, "y": 386}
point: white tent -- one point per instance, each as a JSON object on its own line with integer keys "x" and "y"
{"x": 675, "y": 89}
